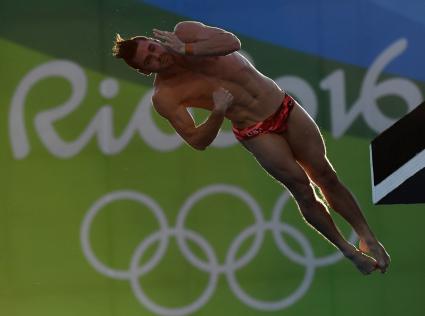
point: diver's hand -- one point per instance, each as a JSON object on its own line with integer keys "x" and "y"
{"x": 222, "y": 100}
{"x": 169, "y": 39}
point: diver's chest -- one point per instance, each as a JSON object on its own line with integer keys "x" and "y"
{"x": 200, "y": 84}
{"x": 197, "y": 86}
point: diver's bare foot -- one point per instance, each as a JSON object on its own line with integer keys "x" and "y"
{"x": 362, "y": 261}
{"x": 376, "y": 250}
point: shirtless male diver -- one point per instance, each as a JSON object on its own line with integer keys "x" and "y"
{"x": 198, "y": 66}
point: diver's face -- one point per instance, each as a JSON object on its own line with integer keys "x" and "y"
{"x": 152, "y": 56}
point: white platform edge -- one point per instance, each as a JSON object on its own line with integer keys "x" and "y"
{"x": 397, "y": 178}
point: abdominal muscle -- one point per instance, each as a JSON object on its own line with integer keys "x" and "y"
{"x": 247, "y": 109}
{"x": 255, "y": 97}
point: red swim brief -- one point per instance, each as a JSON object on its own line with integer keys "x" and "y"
{"x": 276, "y": 123}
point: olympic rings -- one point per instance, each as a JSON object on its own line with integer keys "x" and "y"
{"x": 211, "y": 265}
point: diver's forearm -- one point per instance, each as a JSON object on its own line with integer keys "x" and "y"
{"x": 207, "y": 131}
{"x": 217, "y": 45}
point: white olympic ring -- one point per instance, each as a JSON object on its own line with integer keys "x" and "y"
{"x": 94, "y": 210}
{"x": 136, "y": 273}
{"x": 256, "y": 210}
{"x": 211, "y": 266}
